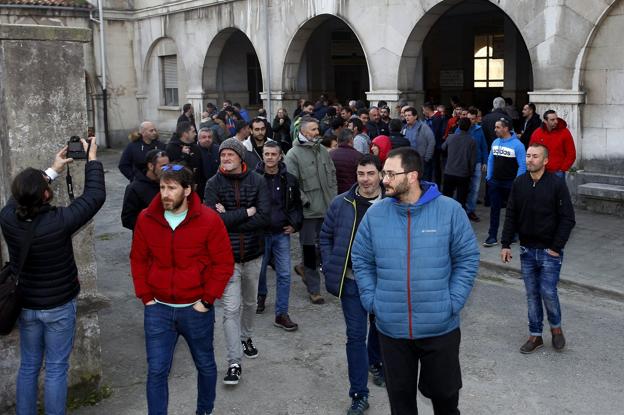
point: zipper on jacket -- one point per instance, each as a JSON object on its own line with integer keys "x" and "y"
{"x": 344, "y": 268}
{"x": 173, "y": 265}
{"x": 241, "y": 237}
{"x": 409, "y": 254}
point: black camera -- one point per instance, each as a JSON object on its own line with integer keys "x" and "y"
{"x": 74, "y": 149}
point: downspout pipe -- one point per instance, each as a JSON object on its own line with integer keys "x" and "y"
{"x": 103, "y": 69}
{"x": 268, "y": 58}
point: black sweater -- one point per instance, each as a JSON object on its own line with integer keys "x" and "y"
{"x": 50, "y": 277}
{"x": 540, "y": 212}
{"x": 139, "y": 194}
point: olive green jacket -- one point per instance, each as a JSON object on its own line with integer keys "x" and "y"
{"x": 310, "y": 163}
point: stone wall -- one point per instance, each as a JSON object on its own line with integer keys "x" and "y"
{"x": 42, "y": 101}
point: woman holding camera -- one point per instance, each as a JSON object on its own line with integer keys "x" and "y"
{"x": 48, "y": 284}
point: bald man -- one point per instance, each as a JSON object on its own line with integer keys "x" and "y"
{"x": 133, "y": 156}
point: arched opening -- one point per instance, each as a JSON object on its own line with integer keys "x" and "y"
{"x": 232, "y": 70}
{"x": 470, "y": 49}
{"x": 603, "y": 149}
{"x": 326, "y": 57}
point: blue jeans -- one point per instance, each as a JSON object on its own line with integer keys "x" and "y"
{"x": 499, "y": 193}
{"x": 473, "y": 194}
{"x": 540, "y": 272}
{"x": 278, "y": 247}
{"x": 48, "y": 333}
{"x": 163, "y": 325}
{"x": 359, "y": 354}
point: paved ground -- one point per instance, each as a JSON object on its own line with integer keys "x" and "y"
{"x": 305, "y": 372}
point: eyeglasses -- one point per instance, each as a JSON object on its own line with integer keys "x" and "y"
{"x": 173, "y": 167}
{"x": 391, "y": 175}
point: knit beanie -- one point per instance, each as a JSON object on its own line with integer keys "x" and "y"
{"x": 234, "y": 145}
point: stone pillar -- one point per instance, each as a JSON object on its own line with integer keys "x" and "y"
{"x": 42, "y": 92}
{"x": 392, "y": 97}
{"x": 281, "y": 99}
{"x": 567, "y": 104}
{"x": 196, "y": 99}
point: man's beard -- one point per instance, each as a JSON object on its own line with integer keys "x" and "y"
{"x": 399, "y": 190}
{"x": 175, "y": 204}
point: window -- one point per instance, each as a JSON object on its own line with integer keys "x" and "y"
{"x": 169, "y": 70}
{"x": 489, "y": 63}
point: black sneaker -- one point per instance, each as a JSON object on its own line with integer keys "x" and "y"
{"x": 233, "y": 374}
{"x": 359, "y": 404}
{"x": 490, "y": 242}
{"x": 531, "y": 345}
{"x": 261, "y": 304}
{"x": 378, "y": 375}
{"x": 249, "y": 349}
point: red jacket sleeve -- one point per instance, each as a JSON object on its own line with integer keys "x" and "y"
{"x": 139, "y": 262}
{"x": 220, "y": 267}
{"x": 570, "y": 151}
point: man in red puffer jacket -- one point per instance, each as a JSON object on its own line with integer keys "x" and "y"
{"x": 181, "y": 261}
{"x": 556, "y": 137}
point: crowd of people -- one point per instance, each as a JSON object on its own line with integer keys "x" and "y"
{"x": 382, "y": 207}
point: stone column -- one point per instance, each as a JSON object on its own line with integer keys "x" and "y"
{"x": 196, "y": 99}
{"x": 281, "y": 99}
{"x": 567, "y": 104}
{"x": 42, "y": 92}
{"x": 392, "y": 97}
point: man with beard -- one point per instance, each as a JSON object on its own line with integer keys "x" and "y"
{"x": 181, "y": 260}
{"x": 376, "y": 126}
{"x": 183, "y": 149}
{"x": 286, "y": 219}
{"x": 142, "y": 190}
{"x": 133, "y": 157}
{"x": 337, "y": 234}
{"x": 254, "y": 143}
{"x": 416, "y": 300}
{"x": 239, "y": 195}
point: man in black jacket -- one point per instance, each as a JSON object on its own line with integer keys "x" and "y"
{"x": 539, "y": 209}
{"x": 397, "y": 139}
{"x": 183, "y": 149}
{"x": 240, "y": 197}
{"x": 142, "y": 190}
{"x": 48, "y": 283}
{"x": 286, "y": 219}
{"x": 133, "y": 157}
{"x": 532, "y": 122}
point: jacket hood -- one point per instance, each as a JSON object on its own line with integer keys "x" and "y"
{"x": 506, "y": 140}
{"x": 233, "y": 176}
{"x": 304, "y": 142}
{"x": 249, "y": 146}
{"x": 142, "y": 177}
{"x": 429, "y": 192}
{"x": 384, "y": 144}
{"x": 561, "y": 125}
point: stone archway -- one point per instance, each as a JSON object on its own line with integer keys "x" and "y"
{"x": 231, "y": 70}
{"x": 440, "y": 57}
{"x": 326, "y": 57}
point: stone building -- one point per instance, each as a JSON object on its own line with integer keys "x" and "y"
{"x": 563, "y": 55}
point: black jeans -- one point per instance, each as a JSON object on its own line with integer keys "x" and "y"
{"x": 440, "y": 374}
{"x": 461, "y": 184}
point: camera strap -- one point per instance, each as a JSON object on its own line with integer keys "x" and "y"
{"x": 68, "y": 178}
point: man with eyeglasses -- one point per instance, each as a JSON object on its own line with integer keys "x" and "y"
{"x": 239, "y": 195}
{"x": 506, "y": 161}
{"x": 415, "y": 258}
{"x": 142, "y": 190}
{"x": 181, "y": 261}
{"x": 337, "y": 234}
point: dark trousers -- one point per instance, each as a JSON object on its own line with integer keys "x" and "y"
{"x": 440, "y": 374}
{"x": 461, "y": 184}
{"x": 499, "y": 193}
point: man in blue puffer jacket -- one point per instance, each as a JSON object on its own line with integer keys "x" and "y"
{"x": 415, "y": 258}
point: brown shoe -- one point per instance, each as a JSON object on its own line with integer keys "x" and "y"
{"x": 317, "y": 299}
{"x": 299, "y": 270}
{"x": 531, "y": 345}
{"x": 558, "y": 340}
{"x": 283, "y": 321}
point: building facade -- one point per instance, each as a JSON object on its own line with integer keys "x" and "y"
{"x": 563, "y": 55}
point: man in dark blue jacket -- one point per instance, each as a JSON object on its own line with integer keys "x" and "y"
{"x": 337, "y": 234}
{"x": 133, "y": 156}
{"x": 415, "y": 258}
{"x": 286, "y": 219}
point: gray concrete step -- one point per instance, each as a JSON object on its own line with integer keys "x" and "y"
{"x": 602, "y": 191}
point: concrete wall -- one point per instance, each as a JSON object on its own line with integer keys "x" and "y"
{"x": 603, "y": 120}
{"x": 40, "y": 111}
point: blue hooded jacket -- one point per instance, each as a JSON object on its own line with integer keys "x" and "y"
{"x": 415, "y": 264}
